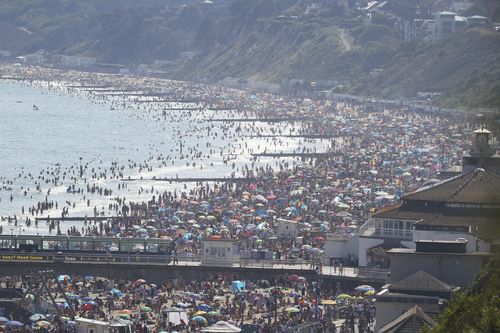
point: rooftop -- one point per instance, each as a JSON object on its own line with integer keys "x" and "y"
{"x": 412, "y": 320}
{"x": 413, "y": 251}
{"x": 470, "y": 199}
{"x": 476, "y": 186}
{"x": 420, "y": 281}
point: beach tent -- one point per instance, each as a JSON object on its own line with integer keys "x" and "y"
{"x": 237, "y": 286}
{"x": 121, "y": 325}
{"x": 84, "y": 325}
{"x": 175, "y": 315}
{"x": 222, "y": 327}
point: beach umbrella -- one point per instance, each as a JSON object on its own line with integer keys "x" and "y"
{"x": 43, "y": 324}
{"x": 13, "y": 323}
{"x": 37, "y": 317}
{"x": 292, "y": 310}
{"x": 125, "y": 311}
{"x": 146, "y": 309}
{"x": 72, "y": 296}
{"x": 199, "y": 319}
{"x": 260, "y": 198}
{"x": 344, "y": 296}
{"x": 200, "y": 313}
{"x": 271, "y": 196}
{"x": 363, "y": 288}
{"x": 213, "y": 313}
{"x": 328, "y": 302}
{"x": 203, "y": 307}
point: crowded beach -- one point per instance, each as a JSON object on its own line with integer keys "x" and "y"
{"x": 325, "y": 164}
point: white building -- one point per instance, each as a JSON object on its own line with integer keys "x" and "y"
{"x": 444, "y": 24}
{"x": 477, "y": 20}
{"x": 33, "y": 59}
{"x": 287, "y": 229}
{"x": 219, "y": 252}
{"x": 342, "y": 246}
{"x": 385, "y": 230}
{"x": 77, "y": 61}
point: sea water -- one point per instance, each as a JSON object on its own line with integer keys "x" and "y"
{"x": 45, "y": 130}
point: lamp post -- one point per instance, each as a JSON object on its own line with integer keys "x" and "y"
{"x": 275, "y": 296}
{"x": 12, "y": 239}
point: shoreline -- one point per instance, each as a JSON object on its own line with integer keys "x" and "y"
{"x": 209, "y": 146}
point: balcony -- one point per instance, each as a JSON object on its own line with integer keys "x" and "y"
{"x": 373, "y": 228}
{"x": 394, "y": 233}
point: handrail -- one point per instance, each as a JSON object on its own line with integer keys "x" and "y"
{"x": 140, "y": 258}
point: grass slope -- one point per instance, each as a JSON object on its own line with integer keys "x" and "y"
{"x": 465, "y": 68}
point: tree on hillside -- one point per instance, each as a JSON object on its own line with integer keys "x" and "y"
{"x": 190, "y": 18}
{"x": 206, "y": 35}
{"x": 477, "y": 310}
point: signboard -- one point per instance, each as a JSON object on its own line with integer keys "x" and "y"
{"x": 22, "y": 257}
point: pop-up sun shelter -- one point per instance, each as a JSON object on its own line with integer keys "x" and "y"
{"x": 237, "y": 286}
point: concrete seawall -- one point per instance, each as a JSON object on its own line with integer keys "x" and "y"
{"x": 158, "y": 274}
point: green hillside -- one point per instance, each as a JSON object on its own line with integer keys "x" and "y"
{"x": 465, "y": 68}
{"x": 268, "y": 40}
